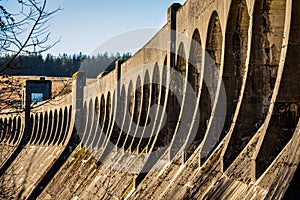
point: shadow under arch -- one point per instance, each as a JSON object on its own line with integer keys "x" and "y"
{"x": 127, "y": 105}
{"x": 212, "y": 66}
{"x": 65, "y": 126}
{"x": 69, "y": 126}
{"x": 49, "y": 128}
{"x": 176, "y": 94}
{"x": 59, "y": 127}
{"x": 34, "y": 129}
{"x": 286, "y": 109}
{"x": 101, "y": 121}
{"x": 108, "y": 116}
{"x": 44, "y": 128}
{"x": 267, "y": 32}
{"x": 236, "y": 48}
{"x": 195, "y": 69}
{"x": 118, "y": 136}
{"x": 40, "y": 129}
{"x": 136, "y": 112}
{"x": 2, "y": 132}
{"x": 89, "y": 123}
{"x": 12, "y": 129}
{"x": 94, "y": 131}
{"x": 151, "y": 132}
{"x": 142, "y": 112}
{"x": 18, "y": 130}
{"x": 54, "y": 128}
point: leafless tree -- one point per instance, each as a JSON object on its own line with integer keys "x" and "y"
{"x": 24, "y": 30}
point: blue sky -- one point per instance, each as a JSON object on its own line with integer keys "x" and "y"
{"x": 84, "y": 25}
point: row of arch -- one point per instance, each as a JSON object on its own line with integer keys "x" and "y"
{"x": 248, "y": 75}
{"x": 45, "y": 128}
{"x": 10, "y": 130}
{"x": 50, "y": 127}
{"x": 133, "y": 106}
{"x": 123, "y": 116}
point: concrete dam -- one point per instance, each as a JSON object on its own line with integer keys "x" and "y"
{"x": 207, "y": 109}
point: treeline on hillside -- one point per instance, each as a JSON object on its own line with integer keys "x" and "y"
{"x": 61, "y": 66}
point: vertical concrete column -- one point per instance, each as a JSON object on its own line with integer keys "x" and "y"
{"x": 116, "y": 105}
{"x": 171, "y": 118}
{"x": 172, "y": 21}
{"x": 77, "y": 100}
{"x": 28, "y": 124}
{"x": 119, "y": 71}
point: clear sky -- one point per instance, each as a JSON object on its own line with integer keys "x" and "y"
{"x": 83, "y": 25}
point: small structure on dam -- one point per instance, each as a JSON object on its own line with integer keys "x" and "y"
{"x": 36, "y": 91}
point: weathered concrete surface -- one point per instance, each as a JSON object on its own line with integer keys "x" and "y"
{"x": 129, "y": 150}
{"x": 33, "y": 153}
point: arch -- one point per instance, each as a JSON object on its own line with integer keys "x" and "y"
{"x": 138, "y": 100}
{"x": 128, "y": 103}
{"x": 130, "y": 98}
{"x": 212, "y": 66}
{"x": 2, "y": 133}
{"x": 111, "y": 107}
{"x": 40, "y": 128}
{"x": 12, "y": 125}
{"x": 59, "y": 127}
{"x": 94, "y": 131}
{"x": 49, "y": 128}
{"x": 97, "y": 107}
{"x": 145, "y": 99}
{"x": 181, "y": 60}
{"x": 162, "y": 101}
{"x": 44, "y": 129}
{"x": 180, "y": 67}
{"x": 118, "y": 136}
{"x": 18, "y": 129}
{"x": 155, "y": 100}
{"x": 195, "y": 61}
{"x": 195, "y": 80}
{"x": 5, "y": 128}
{"x": 214, "y": 39}
{"x": 69, "y": 113}
{"x": 236, "y": 48}
{"x": 155, "y": 86}
{"x": 35, "y": 128}
{"x": 285, "y": 116}
{"x": 64, "y": 126}
{"x": 89, "y": 115}
{"x": 267, "y": 29}
{"x": 8, "y": 130}
{"x": 144, "y": 116}
{"x": 54, "y": 127}
{"x": 102, "y": 111}
{"x": 178, "y": 85}
{"x": 107, "y": 114}
{"x": 101, "y": 121}
{"x": 136, "y": 112}
{"x": 170, "y": 101}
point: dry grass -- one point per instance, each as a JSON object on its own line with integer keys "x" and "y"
{"x": 11, "y": 88}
